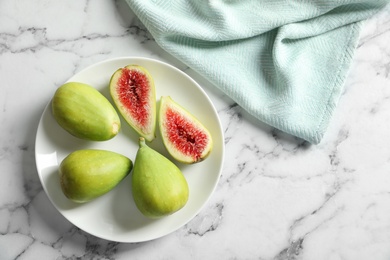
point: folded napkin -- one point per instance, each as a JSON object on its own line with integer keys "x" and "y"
{"x": 284, "y": 61}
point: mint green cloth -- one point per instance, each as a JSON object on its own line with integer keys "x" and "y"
{"x": 284, "y": 61}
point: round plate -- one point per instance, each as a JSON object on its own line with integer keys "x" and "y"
{"x": 114, "y": 215}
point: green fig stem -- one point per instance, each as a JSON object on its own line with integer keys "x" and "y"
{"x": 142, "y": 142}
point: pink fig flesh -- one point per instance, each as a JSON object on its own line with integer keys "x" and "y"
{"x": 133, "y": 91}
{"x": 184, "y": 136}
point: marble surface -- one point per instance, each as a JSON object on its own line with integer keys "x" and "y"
{"x": 278, "y": 197}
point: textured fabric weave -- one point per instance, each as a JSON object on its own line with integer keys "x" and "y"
{"x": 284, "y": 61}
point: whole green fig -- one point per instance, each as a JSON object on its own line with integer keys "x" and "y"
{"x": 88, "y": 174}
{"x": 84, "y": 112}
{"x": 159, "y": 187}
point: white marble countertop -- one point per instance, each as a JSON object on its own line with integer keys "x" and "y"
{"x": 278, "y": 197}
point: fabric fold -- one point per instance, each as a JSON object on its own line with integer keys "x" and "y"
{"x": 285, "y": 61}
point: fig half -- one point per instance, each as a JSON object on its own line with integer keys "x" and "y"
{"x": 184, "y": 136}
{"x": 133, "y": 91}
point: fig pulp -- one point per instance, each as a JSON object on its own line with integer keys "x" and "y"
{"x": 159, "y": 187}
{"x": 84, "y": 112}
{"x": 88, "y": 174}
{"x": 184, "y": 136}
{"x": 133, "y": 91}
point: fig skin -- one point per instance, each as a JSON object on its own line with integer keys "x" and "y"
{"x": 88, "y": 174}
{"x": 186, "y": 139}
{"x": 84, "y": 112}
{"x": 133, "y": 114}
{"x": 159, "y": 187}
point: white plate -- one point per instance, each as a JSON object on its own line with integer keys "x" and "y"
{"x": 114, "y": 216}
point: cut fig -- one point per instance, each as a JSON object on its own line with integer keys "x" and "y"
{"x": 184, "y": 136}
{"x": 133, "y": 91}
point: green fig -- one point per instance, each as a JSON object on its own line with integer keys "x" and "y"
{"x": 159, "y": 187}
{"x": 133, "y": 91}
{"x": 88, "y": 174}
{"x": 84, "y": 112}
{"x": 186, "y": 139}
